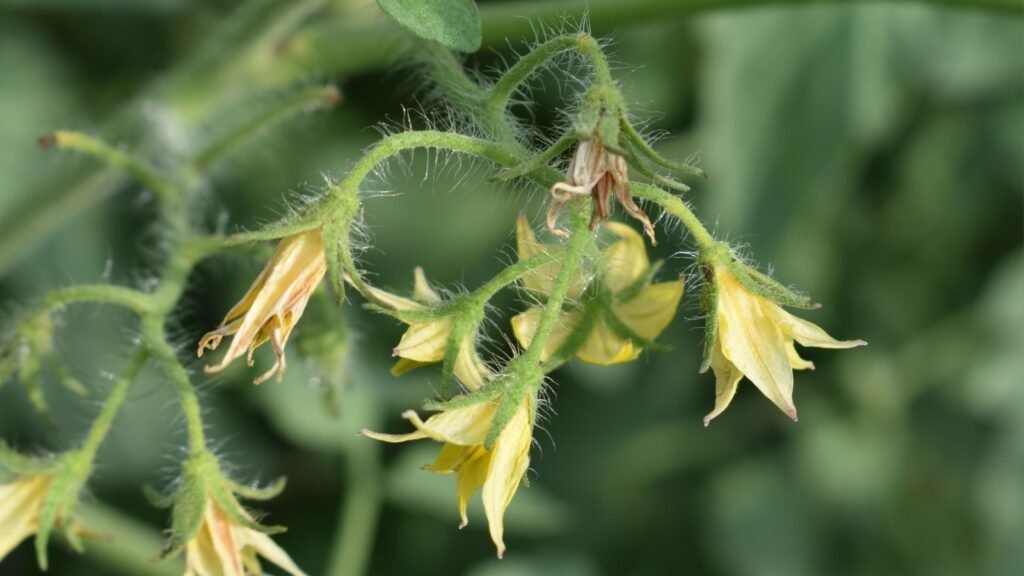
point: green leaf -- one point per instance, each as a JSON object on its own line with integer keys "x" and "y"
{"x": 454, "y": 23}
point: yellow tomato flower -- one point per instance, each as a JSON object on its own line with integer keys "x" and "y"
{"x": 497, "y": 472}
{"x": 644, "y": 313}
{"x": 273, "y": 304}
{"x": 425, "y": 342}
{"x": 754, "y": 338}
{"x": 222, "y": 547}
{"x": 21, "y": 502}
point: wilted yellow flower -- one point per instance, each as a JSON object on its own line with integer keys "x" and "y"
{"x": 21, "y": 502}
{"x": 223, "y": 547}
{"x": 624, "y": 312}
{"x": 273, "y": 304}
{"x": 596, "y": 171}
{"x": 497, "y": 471}
{"x": 754, "y": 338}
{"x": 425, "y": 342}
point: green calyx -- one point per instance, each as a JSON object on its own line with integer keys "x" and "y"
{"x": 202, "y": 484}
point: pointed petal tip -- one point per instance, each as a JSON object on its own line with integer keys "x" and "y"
{"x": 792, "y": 414}
{"x": 409, "y": 414}
{"x": 501, "y": 551}
{"x": 861, "y": 342}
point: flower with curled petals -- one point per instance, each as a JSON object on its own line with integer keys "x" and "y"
{"x": 21, "y": 504}
{"x": 223, "y": 547}
{"x": 273, "y": 304}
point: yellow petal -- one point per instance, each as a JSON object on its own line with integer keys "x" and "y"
{"x": 425, "y": 342}
{"x": 795, "y": 360}
{"x": 268, "y": 549}
{"x": 463, "y": 426}
{"x": 472, "y": 474}
{"x": 451, "y": 457}
{"x": 510, "y": 459}
{"x": 804, "y": 332}
{"x": 727, "y": 378}
{"x": 228, "y": 554}
{"x": 395, "y": 302}
{"x": 625, "y": 259}
{"x": 422, "y": 292}
{"x": 541, "y": 279}
{"x": 652, "y": 310}
{"x": 524, "y": 326}
{"x": 20, "y": 504}
{"x": 405, "y": 365}
{"x": 753, "y": 342}
{"x": 469, "y": 369}
{"x": 604, "y": 347}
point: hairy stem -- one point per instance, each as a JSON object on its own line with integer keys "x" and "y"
{"x": 574, "y": 251}
{"x": 105, "y": 419}
{"x": 679, "y": 210}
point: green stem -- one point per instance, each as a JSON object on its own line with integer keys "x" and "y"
{"x": 103, "y": 293}
{"x": 506, "y": 86}
{"x": 357, "y": 528}
{"x": 165, "y": 355}
{"x": 574, "y": 251}
{"x": 111, "y": 156}
{"x": 509, "y": 275}
{"x": 678, "y": 209}
{"x": 105, "y": 419}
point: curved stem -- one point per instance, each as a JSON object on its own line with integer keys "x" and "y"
{"x": 509, "y": 275}
{"x": 130, "y": 298}
{"x": 156, "y": 340}
{"x": 506, "y": 86}
{"x": 105, "y": 419}
{"x": 677, "y": 208}
{"x": 574, "y": 250}
{"x": 92, "y": 146}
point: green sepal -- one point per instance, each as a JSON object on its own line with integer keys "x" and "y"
{"x": 412, "y": 316}
{"x": 332, "y": 234}
{"x": 59, "y": 503}
{"x": 488, "y": 393}
{"x": 188, "y": 512}
{"x": 221, "y": 493}
{"x": 620, "y": 328}
{"x": 765, "y": 286}
{"x": 267, "y": 492}
{"x": 156, "y": 498}
{"x": 633, "y": 290}
{"x": 644, "y": 169}
{"x": 518, "y": 378}
{"x": 24, "y": 465}
{"x": 709, "y": 304}
{"x": 540, "y": 160}
{"x": 641, "y": 147}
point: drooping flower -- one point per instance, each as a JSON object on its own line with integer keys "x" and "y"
{"x": 223, "y": 547}
{"x": 273, "y": 304}
{"x": 21, "y": 503}
{"x": 596, "y": 171}
{"x": 426, "y": 341}
{"x": 497, "y": 471}
{"x": 626, "y": 313}
{"x": 755, "y": 338}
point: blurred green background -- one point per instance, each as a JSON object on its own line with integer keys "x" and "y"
{"x": 872, "y": 154}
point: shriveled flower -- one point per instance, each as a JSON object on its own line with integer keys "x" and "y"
{"x": 755, "y": 338}
{"x": 497, "y": 471}
{"x": 223, "y": 547}
{"x": 626, "y": 314}
{"x": 425, "y": 341}
{"x": 596, "y": 171}
{"x": 21, "y": 503}
{"x": 273, "y": 304}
